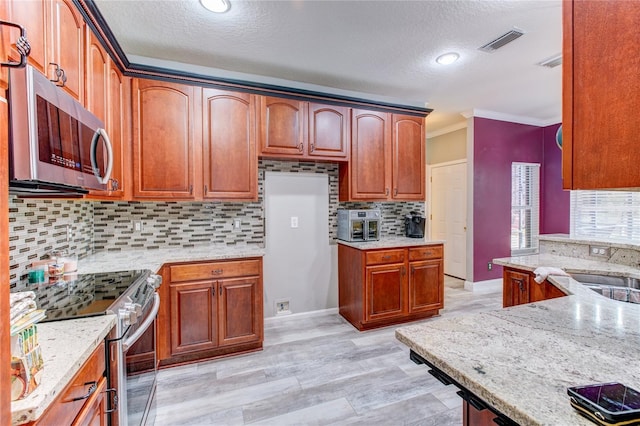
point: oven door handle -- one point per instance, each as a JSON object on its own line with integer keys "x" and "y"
{"x": 145, "y": 324}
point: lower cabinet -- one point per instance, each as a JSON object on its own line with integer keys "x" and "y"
{"x": 520, "y": 287}
{"x": 84, "y": 400}
{"x": 213, "y": 309}
{"x": 389, "y": 286}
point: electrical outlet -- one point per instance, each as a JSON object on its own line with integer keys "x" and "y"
{"x": 69, "y": 233}
{"x": 489, "y": 266}
{"x": 137, "y": 225}
{"x": 282, "y": 307}
{"x": 294, "y": 221}
{"x": 236, "y": 224}
{"x": 600, "y": 251}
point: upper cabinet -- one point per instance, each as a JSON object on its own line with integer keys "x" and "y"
{"x": 55, "y": 30}
{"x": 230, "y": 161}
{"x": 164, "y": 126}
{"x": 600, "y": 102}
{"x": 303, "y": 130}
{"x": 387, "y": 158}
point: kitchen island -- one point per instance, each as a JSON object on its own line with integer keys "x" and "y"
{"x": 521, "y": 360}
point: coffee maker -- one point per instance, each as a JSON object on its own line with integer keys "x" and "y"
{"x": 414, "y": 225}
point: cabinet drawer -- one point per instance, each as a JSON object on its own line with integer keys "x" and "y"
{"x": 64, "y": 409}
{"x": 425, "y": 253}
{"x": 214, "y": 270}
{"x": 387, "y": 256}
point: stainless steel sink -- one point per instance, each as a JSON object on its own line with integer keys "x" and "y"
{"x": 624, "y": 289}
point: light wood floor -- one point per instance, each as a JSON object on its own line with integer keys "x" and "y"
{"x": 318, "y": 370}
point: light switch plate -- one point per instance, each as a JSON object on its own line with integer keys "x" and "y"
{"x": 294, "y": 221}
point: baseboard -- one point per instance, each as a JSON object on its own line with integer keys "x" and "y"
{"x": 304, "y": 314}
{"x": 487, "y": 286}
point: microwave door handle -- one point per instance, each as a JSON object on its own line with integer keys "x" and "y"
{"x": 94, "y": 162}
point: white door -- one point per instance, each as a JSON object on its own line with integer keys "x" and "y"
{"x": 300, "y": 273}
{"x": 449, "y": 214}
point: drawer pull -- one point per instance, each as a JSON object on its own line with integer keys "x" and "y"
{"x": 113, "y": 402}
{"x": 386, "y": 257}
{"x": 92, "y": 389}
{"x": 217, "y": 271}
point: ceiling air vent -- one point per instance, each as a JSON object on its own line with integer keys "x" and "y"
{"x": 552, "y": 62}
{"x": 505, "y": 38}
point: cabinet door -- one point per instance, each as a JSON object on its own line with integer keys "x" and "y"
{"x": 4, "y": 48}
{"x": 328, "y": 131}
{"x": 94, "y": 412}
{"x": 385, "y": 293}
{"x": 34, "y": 17}
{"x": 117, "y": 122}
{"x": 370, "y": 151}
{"x": 515, "y": 288}
{"x": 408, "y": 157}
{"x": 282, "y": 127}
{"x": 193, "y": 317}
{"x": 97, "y": 76}
{"x": 230, "y": 166}
{"x": 67, "y": 46}
{"x": 426, "y": 285}
{"x": 600, "y": 148}
{"x": 240, "y": 307}
{"x": 163, "y": 144}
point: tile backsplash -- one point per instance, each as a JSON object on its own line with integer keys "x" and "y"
{"x": 37, "y": 227}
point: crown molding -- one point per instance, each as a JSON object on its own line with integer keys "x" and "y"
{"x": 445, "y": 130}
{"x": 512, "y": 118}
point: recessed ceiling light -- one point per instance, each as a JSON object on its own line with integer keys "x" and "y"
{"x": 447, "y": 58}
{"x": 217, "y": 6}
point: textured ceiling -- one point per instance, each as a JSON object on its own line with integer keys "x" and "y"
{"x": 382, "y": 50}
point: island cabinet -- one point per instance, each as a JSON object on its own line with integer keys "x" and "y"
{"x": 599, "y": 141}
{"x": 520, "y": 287}
{"x": 56, "y": 31}
{"x": 388, "y": 286}
{"x": 212, "y": 309}
{"x": 387, "y": 158}
{"x": 84, "y": 400}
{"x": 303, "y": 130}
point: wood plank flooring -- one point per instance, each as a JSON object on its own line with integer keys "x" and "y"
{"x": 318, "y": 370}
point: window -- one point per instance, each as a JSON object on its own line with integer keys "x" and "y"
{"x": 525, "y": 207}
{"x": 606, "y": 216}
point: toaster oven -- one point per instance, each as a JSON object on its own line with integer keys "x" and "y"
{"x": 359, "y": 225}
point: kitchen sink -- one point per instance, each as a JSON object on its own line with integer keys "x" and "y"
{"x": 624, "y": 289}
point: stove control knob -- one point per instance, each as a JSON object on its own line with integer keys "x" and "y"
{"x": 127, "y": 316}
{"x": 136, "y": 308}
{"x": 154, "y": 280}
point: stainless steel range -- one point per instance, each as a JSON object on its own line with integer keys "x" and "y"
{"x": 131, "y": 295}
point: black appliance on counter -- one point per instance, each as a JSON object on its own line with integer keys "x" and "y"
{"x": 414, "y": 225}
{"x": 132, "y": 296}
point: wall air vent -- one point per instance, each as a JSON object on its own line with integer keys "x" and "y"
{"x": 505, "y": 38}
{"x": 552, "y": 62}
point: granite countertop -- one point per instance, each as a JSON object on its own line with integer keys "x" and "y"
{"x": 392, "y": 242}
{"x": 66, "y": 346}
{"x": 521, "y": 359}
{"x": 110, "y": 261}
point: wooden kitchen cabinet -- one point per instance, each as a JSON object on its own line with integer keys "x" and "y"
{"x": 34, "y": 17}
{"x": 214, "y": 309}
{"x": 387, "y": 158}
{"x": 519, "y": 287}
{"x": 66, "y": 46}
{"x": 94, "y": 413}
{"x": 303, "y": 130}
{"x": 165, "y": 122}
{"x": 599, "y": 141}
{"x": 230, "y": 160}
{"x": 389, "y": 286}
{"x": 97, "y": 66}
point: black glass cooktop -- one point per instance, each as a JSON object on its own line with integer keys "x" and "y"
{"x": 86, "y": 295}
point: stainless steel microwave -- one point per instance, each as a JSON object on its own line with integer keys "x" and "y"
{"x": 56, "y": 146}
{"x": 359, "y": 225}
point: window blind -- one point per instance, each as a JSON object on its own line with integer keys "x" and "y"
{"x": 606, "y": 216}
{"x": 525, "y": 207}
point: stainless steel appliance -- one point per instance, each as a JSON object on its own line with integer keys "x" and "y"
{"x": 359, "y": 225}
{"x": 414, "y": 225}
{"x": 131, "y": 295}
{"x": 56, "y": 145}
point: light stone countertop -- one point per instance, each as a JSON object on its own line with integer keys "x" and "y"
{"x": 66, "y": 346}
{"x": 522, "y": 359}
{"x": 392, "y": 242}
{"x": 110, "y": 261}
{"x": 565, "y": 238}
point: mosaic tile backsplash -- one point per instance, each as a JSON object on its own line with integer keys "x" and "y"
{"x": 82, "y": 227}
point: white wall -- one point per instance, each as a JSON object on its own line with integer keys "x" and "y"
{"x": 299, "y": 264}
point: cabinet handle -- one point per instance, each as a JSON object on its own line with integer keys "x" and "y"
{"x": 220, "y": 287}
{"x": 386, "y": 191}
{"x": 520, "y": 284}
{"x": 92, "y": 389}
{"x": 205, "y": 189}
{"x": 217, "y": 271}
{"x": 113, "y": 402}
{"x": 300, "y": 147}
{"x": 312, "y": 147}
{"x": 61, "y": 76}
{"x": 190, "y": 189}
{"x": 404, "y": 270}
{"x": 413, "y": 269}
{"x": 395, "y": 192}
{"x": 114, "y": 184}
{"x": 22, "y": 44}
{"x": 386, "y": 257}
